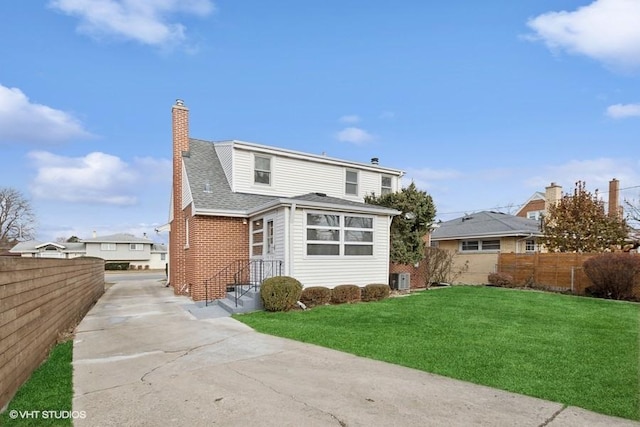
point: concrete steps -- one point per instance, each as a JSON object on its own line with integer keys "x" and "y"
{"x": 249, "y": 302}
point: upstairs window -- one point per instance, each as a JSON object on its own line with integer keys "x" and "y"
{"x": 262, "y": 170}
{"x": 385, "y": 185}
{"x": 107, "y": 246}
{"x": 351, "y": 182}
{"x": 136, "y": 247}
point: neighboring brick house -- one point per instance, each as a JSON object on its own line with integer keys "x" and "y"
{"x": 237, "y": 205}
{"x": 477, "y": 240}
{"x": 538, "y": 204}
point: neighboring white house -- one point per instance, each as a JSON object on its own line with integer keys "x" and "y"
{"x": 139, "y": 252}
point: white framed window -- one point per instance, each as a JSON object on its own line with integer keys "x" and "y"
{"x": 107, "y": 246}
{"x": 186, "y": 232}
{"x": 329, "y": 234}
{"x": 270, "y": 237}
{"x": 163, "y": 257}
{"x": 261, "y": 170}
{"x": 530, "y": 246}
{"x": 351, "y": 182}
{"x": 479, "y": 245}
{"x": 257, "y": 237}
{"x": 385, "y": 185}
{"x": 534, "y": 215}
{"x": 136, "y": 246}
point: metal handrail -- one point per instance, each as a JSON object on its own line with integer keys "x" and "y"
{"x": 243, "y": 274}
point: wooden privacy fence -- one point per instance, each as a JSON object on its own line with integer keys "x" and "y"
{"x": 40, "y": 298}
{"x": 556, "y": 271}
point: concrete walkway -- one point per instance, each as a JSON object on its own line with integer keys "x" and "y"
{"x": 142, "y": 359}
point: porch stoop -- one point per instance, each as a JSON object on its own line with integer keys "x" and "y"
{"x": 248, "y": 302}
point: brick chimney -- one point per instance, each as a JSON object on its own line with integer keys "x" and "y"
{"x": 552, "y": 195}
{"x": 614, "y": 198}
{"x": 177, "y": 234}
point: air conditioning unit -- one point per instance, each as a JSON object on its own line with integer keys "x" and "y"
{"x": 404, "y": 281}
{"x": 400, "y": 281}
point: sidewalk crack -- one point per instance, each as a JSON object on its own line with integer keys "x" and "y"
{"x": 553, "y": 416}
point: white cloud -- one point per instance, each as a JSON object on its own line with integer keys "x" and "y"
{"x": 145, "y": 21}
{"x": 605, "y": 30}
{"x": 350, "y": 119}
{"x": 95, "y": 178}
{"x": 623, "y": 111}
{"x": 24, "y": 121}
{"x": 354, "y": 135}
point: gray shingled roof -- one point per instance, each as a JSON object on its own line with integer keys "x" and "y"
{"x": 31, "y": 245}
{"x": 203, "y": 167}
{"x": 484, "y": 224}
{"x": 117, "y": 238}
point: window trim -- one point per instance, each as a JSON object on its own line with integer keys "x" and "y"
{"x": 347, "y": 182}
{"x": 342, "y": 241}
{"x": 269, "y": 172}
{"x": 479, "y": 245}
{"x": 389, "y": 189}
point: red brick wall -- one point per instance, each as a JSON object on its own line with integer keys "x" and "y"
{"x": 418, "y": 275}
{"x": 214, "y": 243}
{"x": 177, "y": 236}
{"x": 534, "y": 205}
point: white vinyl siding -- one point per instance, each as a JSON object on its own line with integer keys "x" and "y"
{"x": 331, "y": 271}
{"x": 187, "y": 197}
{"x": 121, "y": 251}
{"x": 293, "y": 177}
{"x": 225, "y": 155}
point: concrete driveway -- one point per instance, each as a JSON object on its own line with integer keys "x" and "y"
{"x": 144, "y": 357}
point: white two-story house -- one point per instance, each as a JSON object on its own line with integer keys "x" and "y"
{"x": 241, "y": 207}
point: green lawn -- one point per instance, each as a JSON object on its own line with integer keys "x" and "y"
{"x": 49, "y": 389}
{"x": 577, "y": 351}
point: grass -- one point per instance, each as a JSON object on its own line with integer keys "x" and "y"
{"x": 577, "y": 351}
{"x": 50, "y": 388}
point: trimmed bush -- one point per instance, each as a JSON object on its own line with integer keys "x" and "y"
{"x": 345, "y": 293}
{"x": 315, "y": 295}
{"x": 375, "y": 292}
{"x": 503, "y": 280}
{"x": 280, "y": 293}
{"x": 116, "y": 266}
{"x": 613, "y": 275}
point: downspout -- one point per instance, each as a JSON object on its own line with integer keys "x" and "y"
{"x": 292, "y": 216}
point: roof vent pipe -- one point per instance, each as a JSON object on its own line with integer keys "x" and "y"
{"x": 374, "y": 161}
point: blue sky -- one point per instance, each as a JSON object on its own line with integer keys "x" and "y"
{"x": 481, "y": 103}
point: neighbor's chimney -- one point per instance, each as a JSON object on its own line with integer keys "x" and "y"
{"x": 552, "y": 196}
{"x": 614, "y": 198}
{"x": 94, "y": 234}
{"x": 375, "y": 161}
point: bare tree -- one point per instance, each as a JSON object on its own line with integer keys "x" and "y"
{"x": 17, "y": 220}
